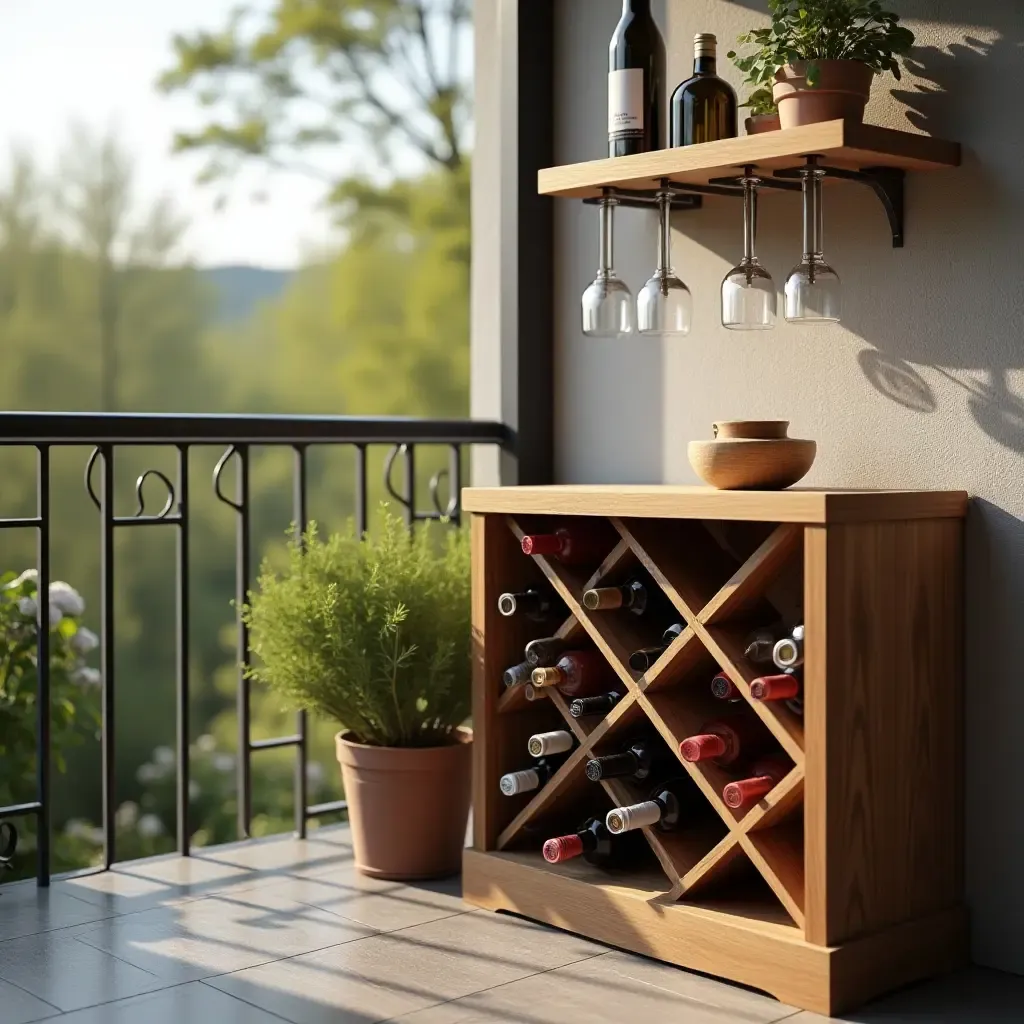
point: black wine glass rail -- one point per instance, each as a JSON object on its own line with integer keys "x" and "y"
{"x": 238, "y": 435}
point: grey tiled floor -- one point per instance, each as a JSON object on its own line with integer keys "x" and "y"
{"x": 286, "y": 930}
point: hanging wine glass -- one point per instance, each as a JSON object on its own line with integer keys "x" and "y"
{"x": 813, "y": 291}
{"x": 607, "y": 302}
{"x": 664, "y": 305}
{"x": 748, "y": 291}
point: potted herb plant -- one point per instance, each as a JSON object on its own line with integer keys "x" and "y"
{"x": 374, "y": 633}
{"x": 819, "y": 56}
{"x": 764, "y": 114}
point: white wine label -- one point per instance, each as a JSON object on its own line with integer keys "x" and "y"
{"x": 626, "y": 103}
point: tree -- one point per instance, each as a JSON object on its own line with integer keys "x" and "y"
{"x": 286, "y": 85}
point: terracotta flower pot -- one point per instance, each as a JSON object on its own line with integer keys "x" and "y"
{"x": 407, "y": 806}
{"x": 759, "y": 123}
{"x": 842, "y": 92}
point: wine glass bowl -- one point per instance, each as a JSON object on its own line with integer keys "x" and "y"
{"x": 813, "y": 293}
{"x": 664, "y": 305}
{"x": 748, "y": 298}
{"x": 607, "y": 307}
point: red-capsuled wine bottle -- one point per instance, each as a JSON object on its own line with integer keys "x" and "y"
{"x": 671, "y": 805}
{"x": 784, "y": 686}
{"x": 594, "y": 843}
{"x": 529, "y": 779}
{"x": 765, "y": 775}
{"x": 577, "y": 674}
{"x": 578, "y": 544}
{"x": 725, "y": 689}
{"x": 725, "y": 740}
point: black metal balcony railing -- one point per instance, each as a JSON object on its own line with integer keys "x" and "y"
{"x": 239, "y": 435}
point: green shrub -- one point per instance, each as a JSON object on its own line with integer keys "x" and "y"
{"x": 374, "y": 632}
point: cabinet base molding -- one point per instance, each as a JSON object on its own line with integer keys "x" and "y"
{"x": 738, "y": 944}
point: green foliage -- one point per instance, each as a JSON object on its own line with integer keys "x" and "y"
{"x": 73, "y": 683}
{"x": 372, "y": 632}
{"x": 305, "y": 76}
{"x": 761, "y": 101}
{"x": 813, "y": 30}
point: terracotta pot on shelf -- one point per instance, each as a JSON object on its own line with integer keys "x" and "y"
{"x": 407, "y": 806}
{"x": 759, "y": 123}
{"x": 752, "y": 454}
{"x": 841, "y": 93}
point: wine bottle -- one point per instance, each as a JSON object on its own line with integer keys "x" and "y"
{"x": 579, "y": 544}
{"x": 789, "y": 651}
{"x": 760, "y": 644}
{"x": 542, "y": 744}
{"x": 704, "y": 106}
{"x": 594, "y": 843}
{"x": 668, "y": 807}
{"x": 632, "y": 596}
{"x": 765, "y": 775}
{"x": 577, "y": 674}
{"x": 516, "y": 674}
{"x": 538, "y": 604}
{"x": 725, "y": 740}
{"x": 636, "y": 82}
{"x": 545, "y": 651}
{"x": 642, "y": 660}
{"x": 637, "y": 761}
{"x": 529, "y": 779}
{"x": 786, "y": 686}
{"x": 599, "y": 705}
{"x": 725, "y": 689}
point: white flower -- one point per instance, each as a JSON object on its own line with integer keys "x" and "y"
{"x": 64, "y": 597}
{"x": 150, "y": 826}
{"x": 55, "y": 616}
{"x": 27, "y": 606}
{"x": 314, "y": 773}
{"x": 86, "y": 676}
{"x": 224, "y": 763}
{"x": 28, "y": 574}
{"x": 206, "y": 744}
{"x": 164, "y": 757}
{"x": 127, "y": 814}
{"x": 84, "y": 641}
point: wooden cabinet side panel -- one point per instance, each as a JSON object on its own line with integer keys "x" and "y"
{"x": 885, "y": 752}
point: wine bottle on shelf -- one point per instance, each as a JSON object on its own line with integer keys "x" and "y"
{"x": 516, "y": 674}
{"x": 789, "y": 651}
{"x": 636, "y": 82}
{"x": 578, "y": 544}
{"x": 642, "y": 660}
{"x": 725, "y": 689}
{"x": 538, "y": 604}
{"x": 543, "y": 744}
{"x": 529, "y": 779}
{"x": 704, "y": 106}
{"x": 785, "y": 686}
{"x": 577, "y": 674}
{"x": 760, "y": 644}
{"x": 594, "y": 843}
{"x": 765, "y": 775}
{"x": 634, "y": 596}
{"x": 581, "y": 707}
{"x": 725, "y": 740}
{"x": 545, "y": 651}
{"x": 670, "y": 805}
{"x": 638, "y": 761}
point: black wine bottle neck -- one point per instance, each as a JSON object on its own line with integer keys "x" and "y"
{"x": 636, "y": 7}
{"x": 704, "y": 64}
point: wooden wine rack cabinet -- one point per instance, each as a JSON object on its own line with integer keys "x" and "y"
{"x": 846, "y": 880}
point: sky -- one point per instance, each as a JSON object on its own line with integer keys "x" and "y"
{"x": 96, "y": 61}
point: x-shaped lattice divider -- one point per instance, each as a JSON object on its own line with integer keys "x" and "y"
{"x": 690, "y": 860}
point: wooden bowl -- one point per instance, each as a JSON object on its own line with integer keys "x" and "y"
{"x": 748, "y": 455}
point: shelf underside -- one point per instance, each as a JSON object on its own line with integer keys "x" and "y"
{"x": 839, "y": 143}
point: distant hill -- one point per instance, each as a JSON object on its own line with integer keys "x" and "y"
{"x": 241, "y": 289}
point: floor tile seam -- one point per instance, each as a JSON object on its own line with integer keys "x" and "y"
{"x": 239, "y": 999}
{"x": 376, "y": 930}
{"x": 21, "y": 988}
{"x": 114, "y": 956}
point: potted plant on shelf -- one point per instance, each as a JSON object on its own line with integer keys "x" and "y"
{"x": 374, "y": 633}
{"x": 819, "y": 56}
{"x": 764, "y": 114}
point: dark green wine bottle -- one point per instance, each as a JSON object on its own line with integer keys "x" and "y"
{"x": 636, "y": 82}
{"x": 704, "y": 106}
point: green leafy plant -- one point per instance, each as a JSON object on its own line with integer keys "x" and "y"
{"x": 761, "y": 101}
{"x": 373, "y": 632}
{"x": 814, "y": 30}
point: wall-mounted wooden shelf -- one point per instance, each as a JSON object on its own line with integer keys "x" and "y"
{"x": 846, "y": 879}
{"x": 840, "y": 144}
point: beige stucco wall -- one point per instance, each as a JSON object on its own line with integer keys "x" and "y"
{"x": 921, "y": 386}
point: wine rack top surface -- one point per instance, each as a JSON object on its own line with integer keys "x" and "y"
{"x": 668, "y": 501}
{"x": 841, "y": 144}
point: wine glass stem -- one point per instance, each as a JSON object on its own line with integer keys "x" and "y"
{"x": 749, "y": 220}
{"x": 664, "y": 233}
{"x": 813, "y": 220}
{"x": 607, "y": 235}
